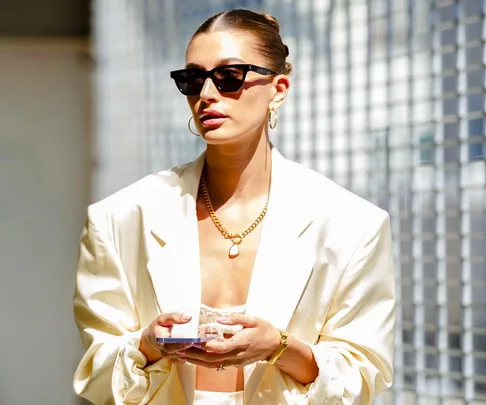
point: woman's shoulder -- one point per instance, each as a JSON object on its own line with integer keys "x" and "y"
{"x": 330, "y": 198}
{"x": 153, "y": 187}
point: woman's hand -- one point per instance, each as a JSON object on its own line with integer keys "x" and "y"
{"x": 257, "y": 341}
{"x": 162, "y": 327}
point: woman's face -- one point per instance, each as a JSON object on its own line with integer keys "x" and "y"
{"x": 240, "y": 116}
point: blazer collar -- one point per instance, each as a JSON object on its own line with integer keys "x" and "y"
{"x": 288, "y": 210}
{"x": 282, "y": 266}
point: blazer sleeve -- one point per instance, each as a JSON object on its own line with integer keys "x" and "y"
{"x": 355, "y": 349}
{"x": 112, "y": 370}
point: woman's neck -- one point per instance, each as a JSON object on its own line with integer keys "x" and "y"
{"x": 238, "y": 172}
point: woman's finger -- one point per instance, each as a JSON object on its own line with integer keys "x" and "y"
{"x": 175, "y": 347}
{"x": 203, "y": 363}
{"x": 172, "y": 318}
{"x": 209, "y": 357}
{"x": 238, "y": 343}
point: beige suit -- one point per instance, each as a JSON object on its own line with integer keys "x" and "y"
{"x": 323, "y": 272}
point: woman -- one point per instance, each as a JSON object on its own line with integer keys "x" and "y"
{"x": 294, "y": 273}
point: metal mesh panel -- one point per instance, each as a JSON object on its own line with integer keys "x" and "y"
{"x": 387, "y": 99}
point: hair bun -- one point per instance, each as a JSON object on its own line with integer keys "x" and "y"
{"x": 272, "y": 21}
{"x": 288, "y": 68}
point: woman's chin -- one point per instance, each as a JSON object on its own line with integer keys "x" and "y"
{"x": 218, "y": 137}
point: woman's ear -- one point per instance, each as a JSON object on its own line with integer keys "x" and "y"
{"x": 281, "y": 85}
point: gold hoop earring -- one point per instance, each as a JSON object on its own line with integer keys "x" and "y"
{"x": 189, "y": 126}
{"x": 272, "y": 121}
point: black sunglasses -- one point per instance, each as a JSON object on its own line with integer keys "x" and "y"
{"x": 226, "y": 78}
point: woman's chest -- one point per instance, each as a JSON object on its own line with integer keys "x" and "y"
{"x": 225, "y": 278}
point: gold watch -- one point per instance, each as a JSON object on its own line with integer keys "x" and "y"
{"x": 280, "y": 349}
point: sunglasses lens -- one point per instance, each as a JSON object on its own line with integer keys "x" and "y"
{"x": 189, "y": 82}
{"x": 229, "y": 79}
{"x": 226, "y": 78}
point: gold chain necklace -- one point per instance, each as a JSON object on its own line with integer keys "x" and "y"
{"x": 236, "y": 238}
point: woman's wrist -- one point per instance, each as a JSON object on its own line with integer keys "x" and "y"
{"x": 298, "y": 362}
{"x": 274, "y": 344}
{"x": 280, "y": 347}
{"x": 151, "y": 353}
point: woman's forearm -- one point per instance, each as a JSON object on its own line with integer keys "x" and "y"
{"x": 298, "y": 362}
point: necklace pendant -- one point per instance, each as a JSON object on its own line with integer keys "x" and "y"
{"x": 234, "y": 251}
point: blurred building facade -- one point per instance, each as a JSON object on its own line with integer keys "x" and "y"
{"x": 44, "y": 190}
{"x": 388, "y": 100}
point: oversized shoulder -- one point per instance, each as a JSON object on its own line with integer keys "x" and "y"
{"x": 331, "y": 201}
{"x": 154, "y": 189}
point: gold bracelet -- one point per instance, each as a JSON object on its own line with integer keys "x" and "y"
{"x": 280, "y": 349}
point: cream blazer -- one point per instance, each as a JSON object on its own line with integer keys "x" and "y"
{"x": 323, "y": 272}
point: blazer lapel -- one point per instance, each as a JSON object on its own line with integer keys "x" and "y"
{"x": 285, "y": 256}
{"x": 173, "y": 247}
{"x": 173, "y": 255}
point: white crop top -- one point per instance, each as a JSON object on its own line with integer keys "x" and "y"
{"x": 208, "y": 319}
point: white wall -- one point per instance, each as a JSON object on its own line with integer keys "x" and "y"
{"x": 44, "y": 189}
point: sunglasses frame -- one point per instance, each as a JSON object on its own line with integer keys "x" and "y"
{"x": 204, "y": 74}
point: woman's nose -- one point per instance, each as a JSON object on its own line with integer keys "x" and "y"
{"x": 209, "y": 92}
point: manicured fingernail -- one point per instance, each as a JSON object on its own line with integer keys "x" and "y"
{"x": 222, "y": 319}
{"x": 182, "y": 359}
{"x": 181, "y": 352}
{"x": 186, "y": 317}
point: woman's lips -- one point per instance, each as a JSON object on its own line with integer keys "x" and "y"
{"x": 211, "y": 122}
